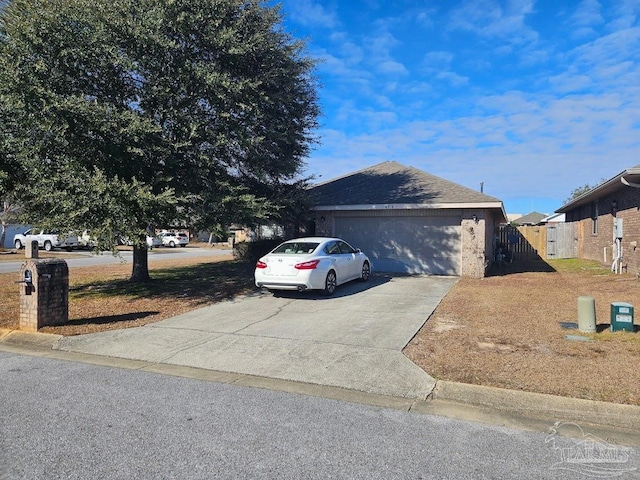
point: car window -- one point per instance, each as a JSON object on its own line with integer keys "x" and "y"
{"x": 332, "y": 248}
{"x": 346, "y": 248}
{"x": 296, "y": 248}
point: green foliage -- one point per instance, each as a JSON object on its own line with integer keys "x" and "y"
{"x": 123, "y": 114}
{"x": 579, "y": 191}
{"x": 250, "y": 252}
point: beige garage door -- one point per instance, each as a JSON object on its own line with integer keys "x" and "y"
{"x": 418, "y": 244}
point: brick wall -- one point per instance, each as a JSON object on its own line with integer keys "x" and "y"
{"x": 473, "y": 244}
{"x": 46, "y": 301}
{"x": 598, "y": 245}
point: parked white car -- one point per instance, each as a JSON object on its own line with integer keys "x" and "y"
{"x": 312, "y": 263}
{"x": 153, "y": 242}
{"x": 171, "y": 239}
{"x": 46, "y": 239}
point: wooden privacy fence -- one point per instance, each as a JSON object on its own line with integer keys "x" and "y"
{"x": 550, "y": 241}
{"x": 524, "y": 242}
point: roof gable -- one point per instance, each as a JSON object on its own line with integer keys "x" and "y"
{"x": 393, "y": 183}
{"x": 626, "y": 178}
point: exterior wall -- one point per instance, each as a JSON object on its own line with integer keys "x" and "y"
{"x": 10, "y": 232}
{"x": 598, "y": 246}
{"x": 473, "y": 239}
{"x": 477, "y": 238}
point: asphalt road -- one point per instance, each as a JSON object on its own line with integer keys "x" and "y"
{"x": 83, "y": 258}
{"x": 70, "y": 420}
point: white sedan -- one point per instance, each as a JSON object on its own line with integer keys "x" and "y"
{"x": 171, "y": 239}
{"x": 312, "y": 263}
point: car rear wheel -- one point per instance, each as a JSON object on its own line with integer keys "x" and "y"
{"x": 366, "y": 271}
{"x": 172, "y": 244}
{"x": 18, "y": 244}
{"x": 330, "y": 283}
{"x": 48, "y": 246}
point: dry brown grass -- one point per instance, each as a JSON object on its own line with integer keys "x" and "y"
{"x": 505, "y": 331}
{"x": 101, "y": 298}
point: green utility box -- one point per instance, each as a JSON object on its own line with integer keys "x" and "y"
{"x": 621, "y": 317}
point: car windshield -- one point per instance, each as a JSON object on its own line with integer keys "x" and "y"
{"x": 296, "y": 248}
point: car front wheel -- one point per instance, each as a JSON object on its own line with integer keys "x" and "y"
{"x": 172, "y": 244}
{"x": 366, "y": 271}
{"x": 330, "y": 283}
{"x": 48, "y": 246}
{"x": 18, "y": 244}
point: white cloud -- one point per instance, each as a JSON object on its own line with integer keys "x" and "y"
{"x": 312, "y": 13}
{"x": 488, "y": 18}
{"x": 587, "y": 14}
{"x": 391, "y": 67}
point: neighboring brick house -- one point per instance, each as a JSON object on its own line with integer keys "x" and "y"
{"x": 598, "y": 211}
{"x": 409, "y": 221}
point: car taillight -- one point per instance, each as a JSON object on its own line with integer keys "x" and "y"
{"x": 261, "y": 264}
{"x": 310, "y": 265}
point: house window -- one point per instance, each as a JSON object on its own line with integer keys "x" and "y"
{"x": 594, "y": 218}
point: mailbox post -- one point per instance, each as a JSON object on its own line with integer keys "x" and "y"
{"x": 44, "y": 291}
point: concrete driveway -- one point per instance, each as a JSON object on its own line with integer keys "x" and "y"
{"x": 352, "y": 340}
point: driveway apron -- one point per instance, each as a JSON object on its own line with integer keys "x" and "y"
{"x": 352, "y": 340}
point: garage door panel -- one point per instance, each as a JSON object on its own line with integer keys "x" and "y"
{"x": 406, "y": 244}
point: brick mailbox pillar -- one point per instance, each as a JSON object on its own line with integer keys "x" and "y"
{"x": 44, "y": 291}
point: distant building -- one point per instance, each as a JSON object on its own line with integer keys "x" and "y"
{"x": 533, "y": 218}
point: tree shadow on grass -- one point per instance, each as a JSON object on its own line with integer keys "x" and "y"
{"x": 205, "y": 282}
{"x": 520, "y": 266}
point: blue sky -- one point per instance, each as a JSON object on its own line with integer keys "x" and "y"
{"x": 533, "y": 98}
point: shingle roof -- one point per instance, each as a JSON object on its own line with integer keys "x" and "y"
{"x": 532, "y": 218}
{"x": 393, "y": 183}
{"x": 603, "y": 189}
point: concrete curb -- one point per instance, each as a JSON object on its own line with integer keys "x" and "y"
{"x": 540, "y": 405}
{"x": 498, "y": 406}
{"x": 28, "y": 339}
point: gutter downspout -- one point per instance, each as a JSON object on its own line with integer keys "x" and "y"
{"x": 628, "y": 183}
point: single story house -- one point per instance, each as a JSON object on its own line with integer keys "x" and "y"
{"x": 409, "y": 221}
{"x": 608, "y": 221}
{"x": 533, "y": 218}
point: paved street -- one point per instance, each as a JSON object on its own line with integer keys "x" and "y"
{"x": 72, "y": 420}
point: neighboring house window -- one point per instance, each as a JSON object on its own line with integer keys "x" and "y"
{"x": 594, "y": 218}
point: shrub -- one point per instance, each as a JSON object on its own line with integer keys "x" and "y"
{"x": 250, "y": 252}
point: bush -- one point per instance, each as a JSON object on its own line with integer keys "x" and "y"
{"x": 250, "y": 252}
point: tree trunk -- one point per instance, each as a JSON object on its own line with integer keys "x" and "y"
{"x": 140, "y": 271}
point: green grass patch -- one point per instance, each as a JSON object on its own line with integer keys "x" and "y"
{"x": 577, "y": 265}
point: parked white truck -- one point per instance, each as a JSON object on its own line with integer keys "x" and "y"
{"x": 46, "y": 239}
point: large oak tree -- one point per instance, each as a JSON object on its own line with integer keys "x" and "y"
{"x": 126, "y": 114}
